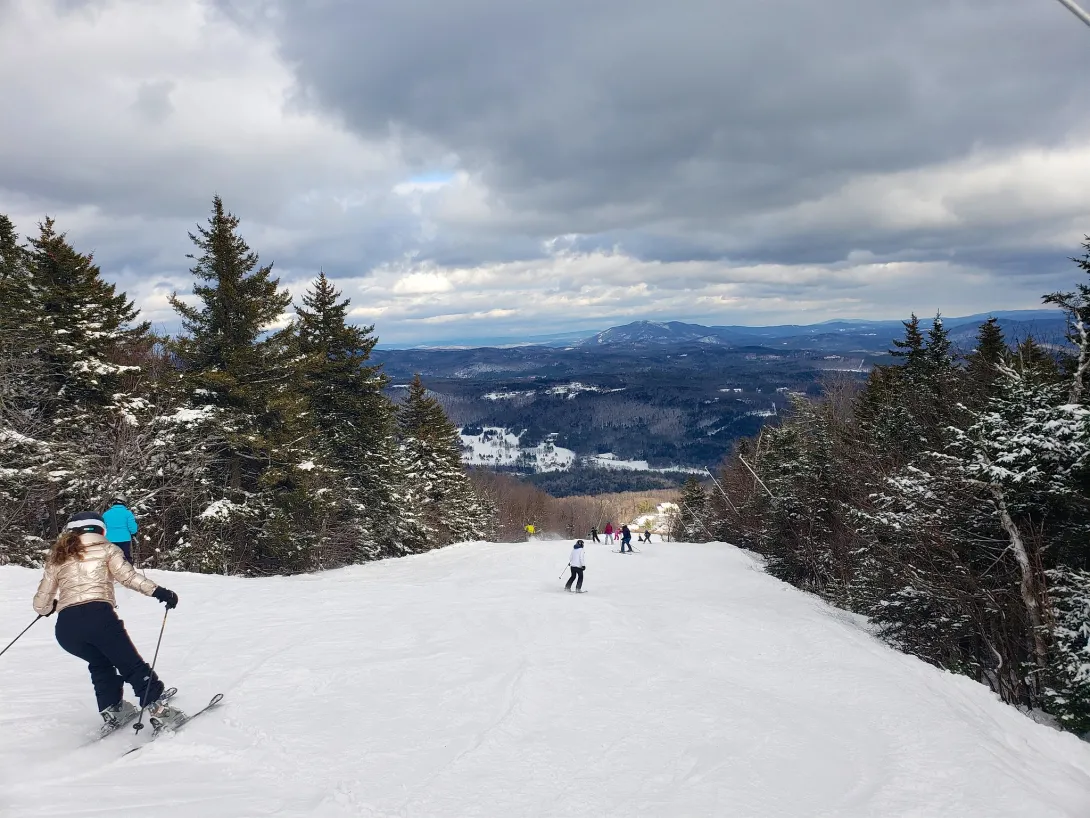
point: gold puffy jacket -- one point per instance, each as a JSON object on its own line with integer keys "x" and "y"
{"x": 90, "y": 578}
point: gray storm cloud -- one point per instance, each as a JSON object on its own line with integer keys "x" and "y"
{"x": 539, "y": 165}
{"x": 687, "y": 118}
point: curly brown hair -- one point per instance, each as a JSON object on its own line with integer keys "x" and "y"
{"x": 67, "y": 547}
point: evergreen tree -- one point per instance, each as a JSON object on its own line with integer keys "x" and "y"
{"x": 1067, "y": 688}
{"x": 886, "y": 425}
{"x": 435, "y": 493}
{"x": 797, "y": 472}
{"x": 354, "y": 419}
{"x": 244, "y": 390}
{"x": 1076, "y": 307}
{"x": 1031, "y": 358}
{"x": 1025, "y": 452}
{"x": 937, "y": 355}
{"x": 24, "y": 390}
{"x": 15, "y": 293}
{"x": 240, "y": 300}
{"x": 89, "y": 340}
{"x": 937, "y": 388}
{"x": 983, "y": 362}
{"x": 691, "y": 522}
{"x": 85, "y": 321}
{"x": 911, "y": 349}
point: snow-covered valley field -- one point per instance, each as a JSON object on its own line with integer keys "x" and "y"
{"x": 495, "y": 446}
{"x": 466, "y": 682}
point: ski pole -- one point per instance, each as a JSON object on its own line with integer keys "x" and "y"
{"x": 143, "y": 703}
{"x": 17, "y": 638}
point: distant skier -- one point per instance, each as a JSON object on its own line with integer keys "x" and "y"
{"x": 626, "y": 539}
{"x": 594, "y": 535}
{"x": 578, "y": 564}
{"x": 530, "y": 531}
{"x": 609, "y": 532}
{"x": 120, "y": 525}
{"x": 647, "y": 535}
{"x": 81, "y": 569}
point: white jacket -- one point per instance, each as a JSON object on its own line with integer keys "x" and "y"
{"x": 577, "y": 560}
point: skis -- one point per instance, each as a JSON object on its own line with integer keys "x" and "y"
{"x": 105, "y": 730}
{"x": 627, "y": 552}
{"x": 157, "y": 730}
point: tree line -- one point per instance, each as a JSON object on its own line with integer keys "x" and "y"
{"x": 947, "y": 499}
{"x": 517, "y": 503}
{"x": 242, "y": 447}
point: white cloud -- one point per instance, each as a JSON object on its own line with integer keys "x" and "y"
{"x": 983, "y": 191}
{"x": 422, "y": 284}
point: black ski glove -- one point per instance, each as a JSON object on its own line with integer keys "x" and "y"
{"x": 168, "y": 598}
{"x": 52, "y": 610}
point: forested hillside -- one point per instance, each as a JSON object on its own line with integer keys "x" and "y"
{"x": 242, "y": 449}
{"x": 948, "y": 499}
{"x": 675, "y": 395}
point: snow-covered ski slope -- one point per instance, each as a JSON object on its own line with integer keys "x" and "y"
{"x": 465, "y": 682}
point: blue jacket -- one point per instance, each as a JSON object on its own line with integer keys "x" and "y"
{"x": 120, "y": 523}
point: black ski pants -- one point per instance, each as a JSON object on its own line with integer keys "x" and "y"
{"x": 594, "y": 534}
{"x": 575, "y": 572}
{"x": 126, "y": 549}
{"x": 93, "y": 632}
{"x": 626, "y": 541}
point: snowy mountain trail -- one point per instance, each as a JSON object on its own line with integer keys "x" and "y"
{"x": 466, "y": 682}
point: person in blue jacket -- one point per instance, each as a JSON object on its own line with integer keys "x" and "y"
{"x": 120, "y": 526}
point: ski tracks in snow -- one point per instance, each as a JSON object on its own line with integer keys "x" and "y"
{"x": 464, "y": 682}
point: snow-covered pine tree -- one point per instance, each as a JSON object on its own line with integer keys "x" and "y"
{"x": 24, "y": 432}
{"x": 1067, "y": 684}
{"x": 244, "y": 404}
{"x": 436, "y": 496}
{"x": 1025, "y": 452}
{"x": 354, "y": 422}
{"x": 799, "y": 504}
{"x": 89, "y": 346}
{"x": 916, "y": 579}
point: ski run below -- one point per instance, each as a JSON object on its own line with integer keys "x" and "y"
{"x": 466, "y": 682}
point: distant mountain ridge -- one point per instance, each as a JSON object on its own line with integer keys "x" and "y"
{"x": 1046, "y": 325}
{"x": 837, "y": 333}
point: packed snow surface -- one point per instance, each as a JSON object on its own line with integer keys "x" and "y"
{"x": 466, "y": 682}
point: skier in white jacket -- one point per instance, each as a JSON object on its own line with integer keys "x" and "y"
{"x": 578, "y": 564}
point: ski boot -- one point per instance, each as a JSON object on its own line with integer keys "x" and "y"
{"x": 163, "y": 716}
{"x": 117, "y": 716}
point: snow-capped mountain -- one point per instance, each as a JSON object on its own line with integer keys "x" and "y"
{"x": 655, "y": 332}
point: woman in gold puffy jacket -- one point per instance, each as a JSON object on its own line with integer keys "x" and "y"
{"x": 79, "y": 584}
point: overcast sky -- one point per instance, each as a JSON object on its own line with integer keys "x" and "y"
{"x": 518, "y": 167}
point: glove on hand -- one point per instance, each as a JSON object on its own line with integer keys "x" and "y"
{"x": 168, "y": 598}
